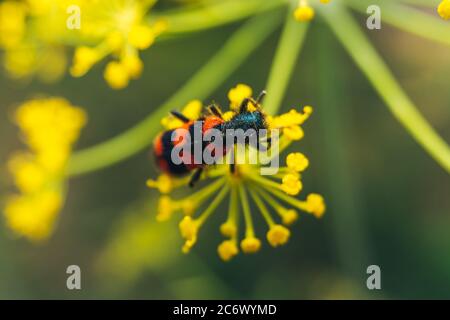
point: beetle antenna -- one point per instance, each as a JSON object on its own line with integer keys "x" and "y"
{"x": 261, "y": 96}
{"x": 179, "y": 116}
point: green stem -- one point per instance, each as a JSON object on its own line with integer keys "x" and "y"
{"x": 215, "y": 14}
{"x": 240, "y": 45}
{"x": 289, "y": 46}
{"x": 376, "y": 71}
{"x": 424, "y": 3}
{"x": 342, "y": 190}
{"x": 249, "y": 231}
{"x": 409, "y": 19}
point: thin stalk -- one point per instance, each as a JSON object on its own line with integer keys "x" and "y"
{"x": 342, "y": 194}
{"x": 202, "y": 17}
{"x": 423, "y": 3}
{"x": 409, "y": 19}
{"x": 288, "y": 49}
{"x": 384, "y": 82}
{"x": 205, "y": 81}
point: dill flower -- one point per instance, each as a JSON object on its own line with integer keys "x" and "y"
{"x": 444, "y": 9}
{"x": 304, "y": 12}
{"x": 118, "y": 28}
{"x": 30, "y": 35}
{"x": 49, "y": 127}
{"x": 273, "y": 196}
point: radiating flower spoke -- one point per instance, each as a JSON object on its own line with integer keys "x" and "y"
{"x": 379, "y": 75}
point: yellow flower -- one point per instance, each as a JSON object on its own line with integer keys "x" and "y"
{"x": 164, "y": 183}
{"x": 246, "y": 179}
{"x": 49, "y": 128}
{"x": 291, "y": 184}
{"x": 116, "y": 74}
{"x": 120, "y": 29}
{"x": 165, "y": 208}
{"x": 228, "y": 229}
{"x": 31, "y": 34}
{"x": 12, "y": 23}
{"x": 278, "y": 235}
{"x": 83, "y": 59}
{"x": 227, "y": 250}
{"x": 134, "y": 65}
{"x": 250, "y": 245}
{"x": 28, "y": 175}
{"x": 188, "y": 229}
{"x": 297, "y": 162}
{"x": 444, "y": 9}
{"x": 33, "y": 215}
{"x": 304, "y": 11}
{"x": 288, "y": 216}
{"x": 141, "y": 36}
{"x": 238, "y": 94}
{"x": 315, "y": 204}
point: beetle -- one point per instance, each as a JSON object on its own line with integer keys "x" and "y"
{"x": 164, "y": 142}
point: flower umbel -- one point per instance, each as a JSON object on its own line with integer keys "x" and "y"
{"x": 49, "y": 128}
{"x": 242, "y": 186}
{"x": 119, "y": 28}
{"x": 30, "y": 35}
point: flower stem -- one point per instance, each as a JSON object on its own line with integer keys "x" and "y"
{"x": 249, "y": 230}
{"x": 213, "y": 205}
{"x": 379, "y": 75}
{"x": 238, "y": 47}
{"x": 423, "y": 3}
{"x": 409, "y": 19}
{"x": 214, "y": 14}
{"x": 346, "y": 214}
{"x": 283, "y": 65}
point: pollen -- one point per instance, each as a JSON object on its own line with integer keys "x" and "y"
{"x": 444, "y": 9}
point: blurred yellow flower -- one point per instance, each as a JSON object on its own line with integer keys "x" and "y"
{"x": 444, "y": 9}
{"x": 118, "y": 28}
{"x": 265, "y": 191}
{"x": 31, "y": 34}
{"x": 305, "y": 12}
{"x": 49, "y": 128}
{"x": 35, "y": 36}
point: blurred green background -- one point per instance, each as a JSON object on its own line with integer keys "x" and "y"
{"x": 388, "y": 201}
